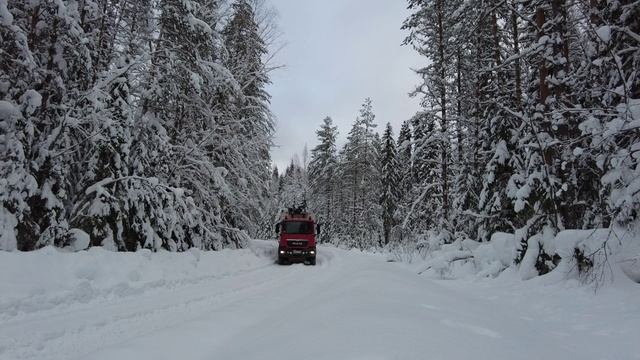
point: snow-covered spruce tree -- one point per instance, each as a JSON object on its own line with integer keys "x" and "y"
{"x": 46, "y": 74}
{"x": 405, "y": 154}
{"x": 431, "y": 35}
{"x": 465, "y": 183}
{"x": 360, "y": 174}
{"x": 502, "y": 131}
{"x": 294, "y": 185}
{"x": 18, "y": 103}
{"x": 102, "y": 185}
{"x": 614, "y": 30}
{"x": 322, "y": 177}
{"x": 245, "y": 50}
{"x": 120, "y": 207}
{"x": 273, "y": 207}
{"x": 376, "y": 183}
{"x": 556, "y": 187}
{"x": 424, "y": 199}
{"x": 480, "y": 90}
{"x": 190, "y": 103}
{"x": 17, "y": 184}
{"x": 109, "y": 160}
{"x": 406, "y": 182}
{"x": 608, "y": 92}
{"x": 133, "y": 200}
{"x": 471, "y": 90}
{"x": 391, "y": 182}
{"x": 341, "y": 219}
{"x": 64, "y": 78}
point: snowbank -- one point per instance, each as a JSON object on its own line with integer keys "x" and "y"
{"x": 605, "y": 255}
{"x": 468, "y": 258}
{"x": 238, "y": 304}
{"x": 52, "y": 278}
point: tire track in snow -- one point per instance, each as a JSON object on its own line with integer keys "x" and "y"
{"x": 101, "y": 323}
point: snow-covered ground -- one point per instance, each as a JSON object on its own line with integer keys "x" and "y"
{"x": 240, "y": 305}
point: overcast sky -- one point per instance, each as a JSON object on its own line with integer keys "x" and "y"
{"x": 337, "y": 53}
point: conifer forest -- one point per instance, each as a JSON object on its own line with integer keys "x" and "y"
{"x": 147, "y": 124}
{"x": 319, "y": 179}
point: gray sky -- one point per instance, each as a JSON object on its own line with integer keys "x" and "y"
{"x": 337, "y": 53}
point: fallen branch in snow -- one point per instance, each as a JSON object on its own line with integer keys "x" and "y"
{"x": 452, "y": 260}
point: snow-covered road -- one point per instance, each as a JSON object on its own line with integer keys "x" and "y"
{"x": 350, "y": 306}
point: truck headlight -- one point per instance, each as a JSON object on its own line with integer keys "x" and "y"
{"x": 281, "y": 251}
{"x": 312, "y": 252}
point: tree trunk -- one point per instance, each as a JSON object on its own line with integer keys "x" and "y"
{"x": 459, "y": 101}
{"x": 443, "y": 104}
{"x": 542, "y": 68}
{"x": 516, "y": 52}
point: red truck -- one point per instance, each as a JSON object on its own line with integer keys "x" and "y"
{"x": 297, "y": 236}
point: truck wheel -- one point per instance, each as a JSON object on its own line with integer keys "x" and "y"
{"x": 312, "y": 261}
{"x": 282, "y": 261}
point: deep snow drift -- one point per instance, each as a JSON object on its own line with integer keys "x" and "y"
{"x": 241, "y": 305}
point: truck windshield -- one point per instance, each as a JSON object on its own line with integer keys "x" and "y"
{"x": 297, "y": 227}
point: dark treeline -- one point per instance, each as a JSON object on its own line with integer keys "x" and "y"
{"x": 529, "y": 126}
{"x": 133, "y": 124}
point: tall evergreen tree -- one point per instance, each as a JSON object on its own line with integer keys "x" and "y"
{"x": 245, "y": 50}
{"x": 431, "y": 34}
{"x": 390, "y": 195}
{"x": 322, "y": 176}
{"x": 405, "y": 155}
{"x": 360, "y": 176}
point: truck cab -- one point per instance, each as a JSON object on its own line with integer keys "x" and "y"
{"x": 297, "y": 232}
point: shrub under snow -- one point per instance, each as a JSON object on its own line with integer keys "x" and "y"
{"x": 593, "y": 256}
